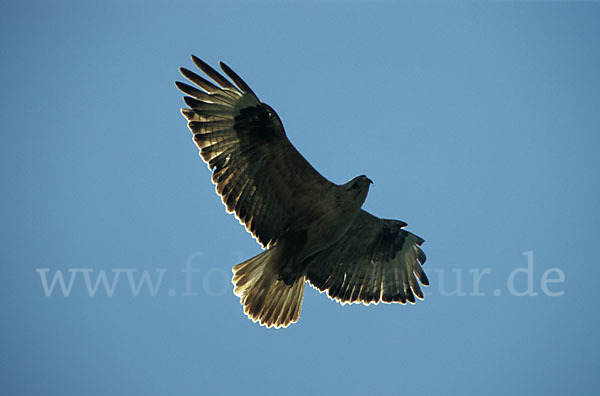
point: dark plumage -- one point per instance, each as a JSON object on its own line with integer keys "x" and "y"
{"x": 313, "y": 230}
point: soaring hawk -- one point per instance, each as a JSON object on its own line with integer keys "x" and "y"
{"x": 312, "y": 229}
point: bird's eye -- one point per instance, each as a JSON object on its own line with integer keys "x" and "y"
{"x": 355, "y": 186}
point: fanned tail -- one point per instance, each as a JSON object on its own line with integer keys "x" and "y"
{"x": 266, "y": 299}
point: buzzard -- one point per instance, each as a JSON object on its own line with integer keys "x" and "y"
{"x": 312, "y": 229}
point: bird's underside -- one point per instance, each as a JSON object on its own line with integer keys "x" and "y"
{"x": 313, "y": 230}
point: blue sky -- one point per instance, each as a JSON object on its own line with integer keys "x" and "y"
{"x": 477, "y": 121}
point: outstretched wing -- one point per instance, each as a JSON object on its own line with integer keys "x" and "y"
{"x": 376, "y": 260}
{"x": 257, "y": 171}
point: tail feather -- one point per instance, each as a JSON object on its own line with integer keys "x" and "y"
{"x": 265, "y": 298}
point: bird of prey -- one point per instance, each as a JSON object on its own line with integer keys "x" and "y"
{"x": 311, "y": 228}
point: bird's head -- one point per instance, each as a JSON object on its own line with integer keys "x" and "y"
{"x": 359, "y": 186}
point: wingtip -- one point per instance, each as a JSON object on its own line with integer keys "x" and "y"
{"x": 185, "y": 72}
{"x": 185, "y": 88}
{"x": 238, "y": 81}
{"x": 224, "y": 67}
{"x": 200, "y": 63}
{"x": 181, "y": 86}
{"x": 424, "y": 280}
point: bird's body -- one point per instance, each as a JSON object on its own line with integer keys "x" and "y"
{"x": 299, "y": 243}
{"x": 313, "y": 229}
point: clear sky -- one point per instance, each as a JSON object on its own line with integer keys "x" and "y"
{"x": 477, "y": 121}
